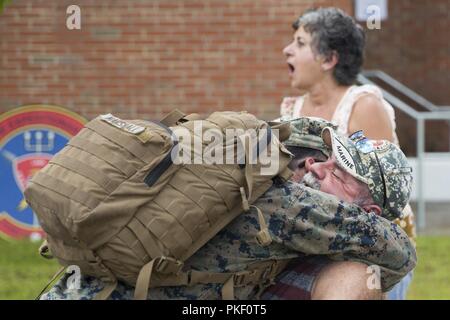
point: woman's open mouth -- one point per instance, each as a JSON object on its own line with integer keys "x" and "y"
{"x": 291, "y": 69}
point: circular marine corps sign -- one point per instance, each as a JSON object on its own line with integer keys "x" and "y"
{"x": 29, "y": 137}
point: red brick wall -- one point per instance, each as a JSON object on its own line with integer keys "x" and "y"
{"x": 413, "y": 46}
{"x": 142, "y": 58}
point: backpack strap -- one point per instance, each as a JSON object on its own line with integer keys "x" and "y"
{"x": 143, "y": 281}
{"x": 110, "y": 286}
{"x": 261, "y": 273}
{"x": 246, "y": 190}
{"x": 107, "y": 290}
{"x": 263, "y": 237}
{"x": 107, "y": 277}
{"x": 175, "y": 116}
{"x": 172, "y": 117}
{"x": 160, "y": 264}
{"x": 55, "y": 276}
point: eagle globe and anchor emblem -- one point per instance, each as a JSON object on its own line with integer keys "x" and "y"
{"x": 29, "y": 138}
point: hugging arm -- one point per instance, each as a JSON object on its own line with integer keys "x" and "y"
{"x": 313, "y": 222}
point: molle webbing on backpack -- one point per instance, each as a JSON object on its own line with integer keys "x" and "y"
{"x": 114, "y": 203}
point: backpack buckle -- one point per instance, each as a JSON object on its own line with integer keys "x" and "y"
{"x": 241, "y": 278}
{"x": 168, "y": 265}
{"x": 267, "y": 273}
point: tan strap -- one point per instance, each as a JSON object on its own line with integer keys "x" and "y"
{"x": 172, "y": 118}
{"x": 228, "y": 289}
{"x": 221, "y": 223}
{"x": 276, "y": 268}
{"x": 160, "y": 265}
{"x": 55, "y": 276}
{"x": 143, "y": 281}
{"x": 62, "y": 188}
{"x": 86, "y": 171}
{"x": 261, "y": 273}
{"x": 256, "y": 272}
{"x": 248, "y": 174}
{"x": 193, "y": 117}
{"x": 44, "y": 250}
{"x": 190, "y": 278}
{"x": 107, "y": 277}
{"x": 198, "y": 171}
{"x": 103, "y": 153}
{"x": 168, "y": 265}
{"x": 263, "y": 237}
{"x": 175, "y": 116}
{"x": 143, "y": 234}
{"x": 107, "y": 290}
{"x": 244, "y": 199}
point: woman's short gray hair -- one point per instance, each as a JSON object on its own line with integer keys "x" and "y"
{"x": 335, "y": 32}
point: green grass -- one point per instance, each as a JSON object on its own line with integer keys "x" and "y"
{"x": 23, "y": 273}
{"x": 432, "y": 274}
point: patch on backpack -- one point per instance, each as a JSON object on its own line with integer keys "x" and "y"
{"x": 122, "y": 124}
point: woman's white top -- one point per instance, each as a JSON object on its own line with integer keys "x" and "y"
{"x": 291, "y": 107}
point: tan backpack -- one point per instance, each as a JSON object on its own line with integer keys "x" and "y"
{"x": 113, "y": 203}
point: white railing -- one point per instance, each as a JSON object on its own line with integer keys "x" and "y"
{"x": 434, "y": 113}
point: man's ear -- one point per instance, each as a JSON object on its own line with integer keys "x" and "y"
{"x": 330, "y": 62}
{"x": 372, "y": 208}
{"x": 309, "y": 161}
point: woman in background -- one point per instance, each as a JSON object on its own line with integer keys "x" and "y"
{"x": 324, "y": 59}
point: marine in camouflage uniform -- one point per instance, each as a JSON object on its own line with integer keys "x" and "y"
{"x": 301, "y": 221}
{"x": 298, "y": 279}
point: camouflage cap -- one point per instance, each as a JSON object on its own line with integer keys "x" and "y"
{"x": 378, "y": 163}
{"x": 307, "y": 132}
